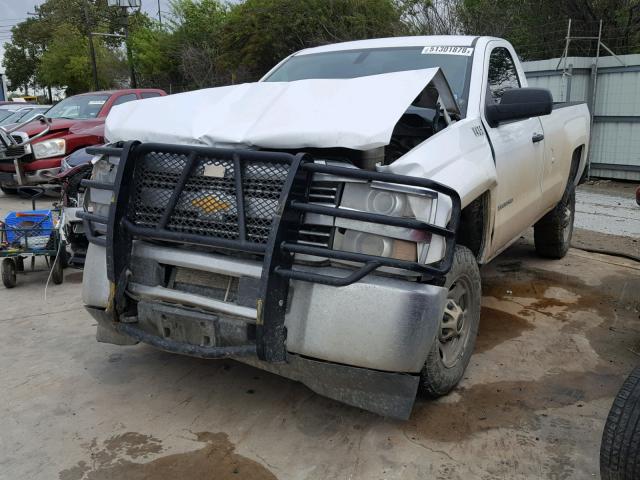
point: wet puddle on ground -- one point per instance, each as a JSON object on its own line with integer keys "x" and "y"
{"x": 506, "y": 404}
{"x": 114, "y": 460}
{"x": 497, "y": 326}
{"x": 520, "y": 404}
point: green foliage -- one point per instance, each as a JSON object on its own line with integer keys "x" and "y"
{"x": 51, "y": 49}
{"x": 67, "y": 63}
{"x": 260, "y": 33}
{"x": 212, "y": 42}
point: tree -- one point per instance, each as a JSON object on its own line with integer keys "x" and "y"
{"x": 22, "y": 56}
{"x": 67, "y": 64}
{"x": 33, "y": 40}
{"x": 187, "y": 50}
{"x": 430, "y": 17}
{"x": 260, "y": 33}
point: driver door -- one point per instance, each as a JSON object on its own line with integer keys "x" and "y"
{"x": 518, "y": 152}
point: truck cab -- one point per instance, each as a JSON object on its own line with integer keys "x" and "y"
{"x": 328, "y": 222}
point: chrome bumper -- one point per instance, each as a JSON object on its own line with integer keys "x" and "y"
{"x": 379, "y": 323}
{"x": 35, "y": 177}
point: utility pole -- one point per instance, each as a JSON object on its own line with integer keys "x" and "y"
{"x": 134, "y": 83}
{"x": 92, "y": 51}
{"x": 159, "y": 14}
{"x": 38, "y": 13}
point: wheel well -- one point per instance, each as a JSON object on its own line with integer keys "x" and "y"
{"x": 576, "y": 158}
{"x": 473, "y": 221}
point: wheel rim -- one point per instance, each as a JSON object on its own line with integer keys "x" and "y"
{"x": 454, "y": 327}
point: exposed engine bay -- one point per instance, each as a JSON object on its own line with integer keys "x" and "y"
{"x": 424, "y": 118}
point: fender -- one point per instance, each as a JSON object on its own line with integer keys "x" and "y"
{"x": 461, "y": 158}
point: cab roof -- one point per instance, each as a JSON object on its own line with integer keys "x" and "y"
{"x": 414, "y": 41}
{"x": 123, "y": 91}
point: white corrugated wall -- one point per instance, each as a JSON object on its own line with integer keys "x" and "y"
{"x": 615, "y": 144}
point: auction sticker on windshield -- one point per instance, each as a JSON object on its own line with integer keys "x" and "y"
{"x": 444, "y": 50}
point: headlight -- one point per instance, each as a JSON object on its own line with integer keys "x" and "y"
{"x": 49, "y": 148}
{"x": 104, "y": 171}
{"x": 383, "y": 240}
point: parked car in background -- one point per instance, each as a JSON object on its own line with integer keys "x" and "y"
{"x": 74, "y": 169}
{"x": 23, "y": 114}
{"x": 76, "y": 122}
{"x": 9, "y": 108}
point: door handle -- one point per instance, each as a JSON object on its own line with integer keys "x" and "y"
{"x": 537, "y": 137}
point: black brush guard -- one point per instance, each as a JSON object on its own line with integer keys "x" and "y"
{"x": 280, "y": 245}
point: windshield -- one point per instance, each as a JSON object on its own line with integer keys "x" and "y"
{"x": 79, "y": 107}
{"x": 374, "y": 61}
{"x": 22, "y": 115}
{"x": 6, "y": 113}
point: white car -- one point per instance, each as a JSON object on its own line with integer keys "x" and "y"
{"x": 327, "y": 222}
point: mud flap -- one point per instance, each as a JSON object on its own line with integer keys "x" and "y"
{"x": 384, "y": 393}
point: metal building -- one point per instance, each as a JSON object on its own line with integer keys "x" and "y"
{"x": 614, "y": 104}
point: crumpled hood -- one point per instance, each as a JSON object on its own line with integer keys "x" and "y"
{"x": 94, "y": 126}
{"x": 358, "y": 113}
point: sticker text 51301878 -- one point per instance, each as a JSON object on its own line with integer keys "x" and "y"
{"x": 445, "y": 50}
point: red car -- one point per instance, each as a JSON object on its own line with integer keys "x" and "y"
{"x": 76, "y": 122}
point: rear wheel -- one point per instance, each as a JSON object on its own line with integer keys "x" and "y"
{"x": 620, "y": 450}
{"x": 8, "y": 190}
{"x": 57, "y": 266}
{"x": 8, "y": 272}
{"x": 453, "y": 346}
{"x": 552, "y": 233}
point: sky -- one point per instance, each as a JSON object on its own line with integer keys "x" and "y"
{"x": 15, "y": 11}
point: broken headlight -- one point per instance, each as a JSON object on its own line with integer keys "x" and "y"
{"x": 384, "y": 240}
{"x": 97, "y": 200}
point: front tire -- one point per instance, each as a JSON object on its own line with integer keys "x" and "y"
{"x": 552, "y": 233}
{"x": 620, "y": 449}
{"x": 8, "y": 190}
{"x": 453, "y": 346}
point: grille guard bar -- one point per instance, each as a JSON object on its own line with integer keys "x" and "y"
{"x": 281, "y": 243}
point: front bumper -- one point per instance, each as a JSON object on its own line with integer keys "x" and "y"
{"x": 150, "y": 279}
{"x": 31, "y": 173}
{"x": 361, "y": 344}
{"x": 380, "y": 323}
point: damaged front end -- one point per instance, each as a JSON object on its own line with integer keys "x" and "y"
{"x": 313, "y": 265}
{"x": 265, "y": 257}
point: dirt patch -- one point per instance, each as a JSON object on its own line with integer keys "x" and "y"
{"x": 216, "y": 461}
{"x": 496, "y": 327}
{"x": 507, "y": 404}
{"x": 133, "y": 444}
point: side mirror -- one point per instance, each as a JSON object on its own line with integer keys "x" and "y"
{"x": 520, "y": 103}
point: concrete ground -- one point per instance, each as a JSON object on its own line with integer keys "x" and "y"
{"x": 556, "y": 341}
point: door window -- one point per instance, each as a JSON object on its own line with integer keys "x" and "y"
{"x": 125, "y": 98}
{"x": 150, "y": 94}
{"x": 502, "y": 74}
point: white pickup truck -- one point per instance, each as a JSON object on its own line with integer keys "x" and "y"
{"x": 328, "y": 222}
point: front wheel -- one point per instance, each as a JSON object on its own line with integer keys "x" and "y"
{"x": 57, "y": 272}
{"x": 458, "y": 329}
{"x": 8, "y": 190}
